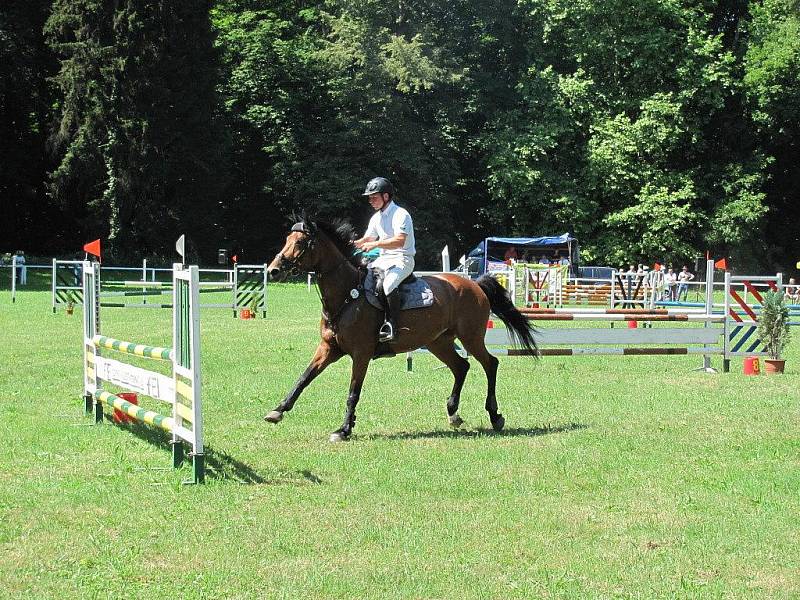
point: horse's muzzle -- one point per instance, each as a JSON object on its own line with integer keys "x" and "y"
{"x": 276, "y": 274}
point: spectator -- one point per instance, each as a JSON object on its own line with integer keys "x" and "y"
{"x": 630, "y": 274}
{"x": 684, "y": 277}
{"x": 22, "y": 271}
{"x": 792, "y": 291}
{"x": 77, "y": 271}
{"x": 670, "y": 280}
{"x": 544, "y": 260}
{"x": 511, "y": 254}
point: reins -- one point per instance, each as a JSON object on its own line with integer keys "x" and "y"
{"x": 358, "y": 290}
{"x": 294, "y": 266}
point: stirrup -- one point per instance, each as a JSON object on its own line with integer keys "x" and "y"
{"x": 386, "y": 332}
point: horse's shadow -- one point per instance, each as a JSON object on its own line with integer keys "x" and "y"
{"x": 476, "y": 433}
{"x": 221, "y": 465}
{"x": 224, "y": 467}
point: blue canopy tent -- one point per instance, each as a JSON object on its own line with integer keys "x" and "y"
{"x": 493, "y": 250}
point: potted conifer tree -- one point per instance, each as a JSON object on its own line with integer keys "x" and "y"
{"x": 773, "y": 330}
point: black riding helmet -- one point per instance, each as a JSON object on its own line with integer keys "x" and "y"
{"x": 379, "y": 185}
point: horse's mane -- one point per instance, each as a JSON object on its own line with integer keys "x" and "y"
{"x": 341, "y": 233}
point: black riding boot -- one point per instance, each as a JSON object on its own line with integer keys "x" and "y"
{"x": 388, "y": 331}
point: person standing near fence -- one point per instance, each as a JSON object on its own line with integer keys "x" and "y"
{"x": 669, "y": 285}
{"x": 792, "y": 291}
{"x": 22, "y": 271}
{"x": 684, "y": 277}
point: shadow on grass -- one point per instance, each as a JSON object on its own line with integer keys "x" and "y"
{"x": 220, "y": 465}
{"x": 476, "y": 433}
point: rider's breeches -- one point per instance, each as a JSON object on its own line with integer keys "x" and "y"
{"x": 395, "y": 270}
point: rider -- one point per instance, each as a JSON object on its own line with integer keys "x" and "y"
{"x": 390, "y": 229}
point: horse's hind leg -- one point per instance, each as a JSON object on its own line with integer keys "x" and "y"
{"x": 443, "y": 349}
{"x": 474, "y": 344}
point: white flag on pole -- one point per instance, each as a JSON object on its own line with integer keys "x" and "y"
{"x": 180, "y": 246}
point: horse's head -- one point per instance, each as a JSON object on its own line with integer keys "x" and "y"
{"x": 298, "y": 253}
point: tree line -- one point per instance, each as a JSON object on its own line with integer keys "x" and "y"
{"x": 659, "y": 129}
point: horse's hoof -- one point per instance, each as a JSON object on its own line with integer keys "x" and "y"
{"x": 338, "y": 436}
{"x": 498, "y": 423}
{"x": 274, "y": 416}
{"x": 455, "y": 421}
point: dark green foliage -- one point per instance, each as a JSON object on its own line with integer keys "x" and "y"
{"x": 25, "y": 113}
{"x": 140, "y": 149}
{"x": 772, "y": 82}
{"x": 652, "y": 131}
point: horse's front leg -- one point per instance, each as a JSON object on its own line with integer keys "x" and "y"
{"x": 360, "y": 364}
{"x": 325, "y": 355}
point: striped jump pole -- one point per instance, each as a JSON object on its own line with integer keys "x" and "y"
{"x": 622, "y": 317}
{"x": 601, "y": 311}
{"x": 181, "y": 388}
{"x": 602, "y": 351}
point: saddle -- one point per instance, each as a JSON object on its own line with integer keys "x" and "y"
{"x": 414, "y": 291}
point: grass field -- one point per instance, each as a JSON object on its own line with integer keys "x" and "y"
{"x": 629, "y": 477}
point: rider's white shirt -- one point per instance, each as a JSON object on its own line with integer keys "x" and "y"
{"x": 388, "y": 223}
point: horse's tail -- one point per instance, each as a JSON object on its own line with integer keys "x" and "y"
{"x": 500, "y": 304}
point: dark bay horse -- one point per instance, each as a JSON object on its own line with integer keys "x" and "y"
{"x": 350, "y": 324}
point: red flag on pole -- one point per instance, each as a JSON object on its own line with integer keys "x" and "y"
{"x": 235, "y": 258}
{"x": 93, "y": 248}
{"x": 721, "y": 264}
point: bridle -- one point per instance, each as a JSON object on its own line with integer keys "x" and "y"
{"x": 306, "y": 245}
{"x": 294, "y": 268}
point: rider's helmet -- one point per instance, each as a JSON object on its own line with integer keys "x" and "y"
{"x": 379, "y": 185}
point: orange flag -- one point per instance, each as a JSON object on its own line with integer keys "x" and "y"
{"x": 93, "y": 248}
{"x": 721, "y": 264}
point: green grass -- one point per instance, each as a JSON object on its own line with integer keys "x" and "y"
{"x": 617, "y": 476}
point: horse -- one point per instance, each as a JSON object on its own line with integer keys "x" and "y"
{"x": 349, "y": 324}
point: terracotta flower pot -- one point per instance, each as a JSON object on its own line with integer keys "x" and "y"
{"x": 772, "y": 366}
{"x": 246, "y": 313}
